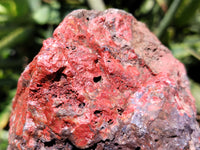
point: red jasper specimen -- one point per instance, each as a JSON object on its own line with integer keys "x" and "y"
{"x": 103, "y": 81}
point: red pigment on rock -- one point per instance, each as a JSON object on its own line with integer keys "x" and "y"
{"x": 103, "y": 81}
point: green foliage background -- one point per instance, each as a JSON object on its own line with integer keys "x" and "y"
{"x": 24, "y": 24}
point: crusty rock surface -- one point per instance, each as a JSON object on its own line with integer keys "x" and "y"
{"x": 103, "y": 81}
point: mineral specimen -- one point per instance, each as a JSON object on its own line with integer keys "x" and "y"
{"x": 103, "y": 81}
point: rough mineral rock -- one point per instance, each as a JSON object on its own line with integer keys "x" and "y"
{"x": 103, "y": 81}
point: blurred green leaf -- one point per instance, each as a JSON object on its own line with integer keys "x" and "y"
{"x": 195, "y": 23}
{"x": 179, "y": 51}
{"x": 6, "y": 29}
{"x": 13, "y": 10}
{"x": 22, "y": 8}
{"x": 147, "y": 6}
{"x": 41, "y": 16}
{"x": 162, "y": 4}
{"x": 1, "y": 73}
{"x": 186, "y": 11}
{"x": 74, "y": 2}
{"x": 4, "y": 116}
{"x": 3, "y": 9}
{"x": 3, "y": 134}
{"x": 3, "y": 18}
{"x": 96, "y": 5}
{"x": 185, "y": 49}
{"x": 195, "y": 89}
{"x": 34, "y": 4}
{"x": 165, "y": 22}
{"x": 5, "y": 53}
{"x": 55, "y": 4}
{"x": 14, "y": 37}
{"x": 192, "y": 39}
{"x": 10, "y": 7}
{"x": 54, "y": 17}
{"x": 3, "y": 139}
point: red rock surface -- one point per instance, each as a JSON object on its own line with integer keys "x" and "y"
{"x": 103, "y": 81}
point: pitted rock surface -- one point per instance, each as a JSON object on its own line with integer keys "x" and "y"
{"x": 103, "y": 81}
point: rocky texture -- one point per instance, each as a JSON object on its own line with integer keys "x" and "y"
{"x": 103, "y": 81}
